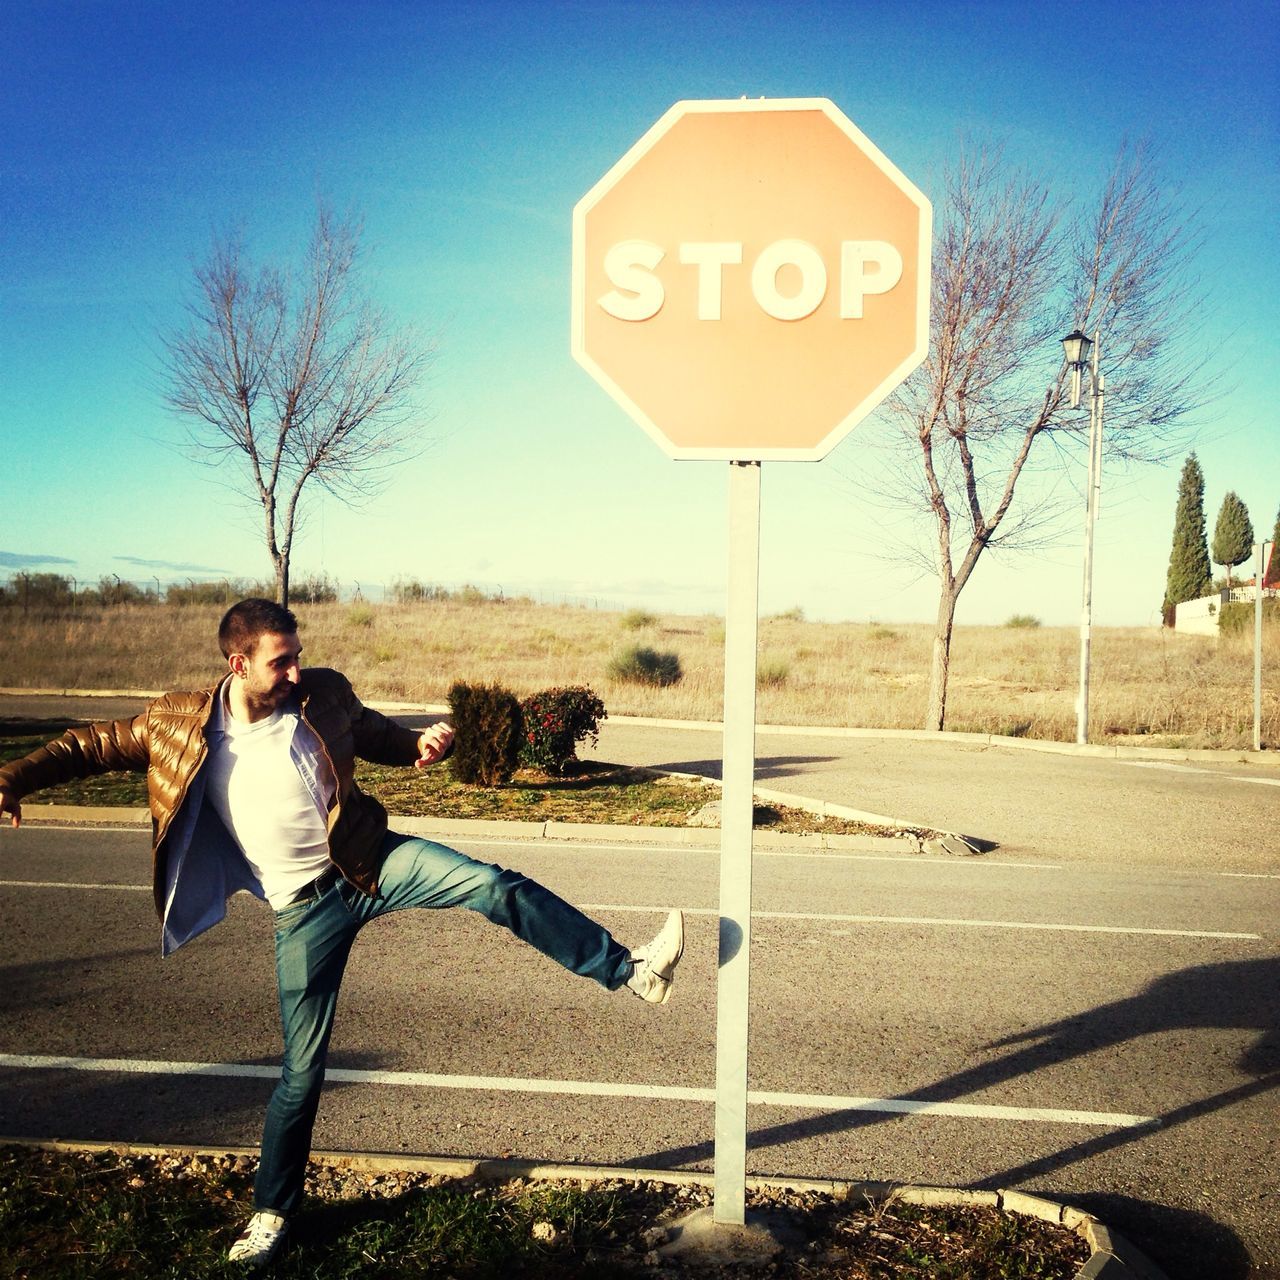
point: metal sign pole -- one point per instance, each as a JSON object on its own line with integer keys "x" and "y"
{"x": 736, "y": 813}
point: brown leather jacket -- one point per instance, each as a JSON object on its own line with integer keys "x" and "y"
{"x": 167, "y": 741}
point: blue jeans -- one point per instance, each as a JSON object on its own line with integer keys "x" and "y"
{"x": 313, "y": 940}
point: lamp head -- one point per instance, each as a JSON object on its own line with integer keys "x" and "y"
{"x": 1076, "y": 346}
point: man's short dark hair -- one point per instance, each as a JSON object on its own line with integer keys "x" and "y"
{"x": 244, "y": 623}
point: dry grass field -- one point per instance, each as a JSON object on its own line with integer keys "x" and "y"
{"x": 1148, "y": 685}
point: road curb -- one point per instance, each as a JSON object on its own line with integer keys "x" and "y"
{"x": 84, "y": 815}
{"x": 1112, "y": 1256}
{"x": 479, "y": 828}
{"x": 908, "y": 830}
{"x": 496, "y": 828}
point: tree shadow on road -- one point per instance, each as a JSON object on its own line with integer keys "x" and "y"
{"x": 1186, "y": 1245}
{"x": 168, "y": 1108}
{"x": 1234, "y": 995}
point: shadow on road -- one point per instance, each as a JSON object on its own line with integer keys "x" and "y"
{"x": 766, "y": 766}
{"x": 1237, "y": 995}
{"x": 44, "y": 983}
{"x": 163, "y": 1109}
{"x": 1185, "y": 1245}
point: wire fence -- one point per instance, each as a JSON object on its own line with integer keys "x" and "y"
{"x": 28, "y": 591}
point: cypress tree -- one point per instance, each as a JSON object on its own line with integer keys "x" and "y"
{"x": 1189, "y": 576}
{"x": 1233, "y": 534}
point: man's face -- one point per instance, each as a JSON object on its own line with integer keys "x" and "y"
{"x": 271, "y": 672}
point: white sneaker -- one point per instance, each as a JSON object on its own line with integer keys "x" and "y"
{"x": 655, "y": 964}
{"x": 260, "y": 1241}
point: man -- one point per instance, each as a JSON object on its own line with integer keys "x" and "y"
{"x": 251, "y": 786}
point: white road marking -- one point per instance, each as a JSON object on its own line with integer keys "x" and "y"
{"x": 589, "y": 1089}
{"x": 821, "y": 917}
{"x": 945, "y": 921}
{"x": 1190, "y": 768}
{"x": 67, "y": 884}
{"x": 32, "y": 821}
{"x": 1166, "y": 766}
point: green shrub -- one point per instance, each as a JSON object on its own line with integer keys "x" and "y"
{"x": 226, "y": 591}
{"x": 486, "y": 725}
{"x": 1014, "y": 729}
{"x": 1024, "y": 621}
{"x": 38, "y": 589}
{"x": 772, "y": 673}
{"x": 412, "y": 591}
{"x": 554, "y": 722}
{"x": 360, "y": 615}
{"x": 794, "y": 614}
{"x": 638, "y": 619}
{"x": 313, "y": 589}
{"x": 641, "y": 665}
{"x": 1236, "y": 618}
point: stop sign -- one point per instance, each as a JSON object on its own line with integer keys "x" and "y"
{"x": 751, "y": 279}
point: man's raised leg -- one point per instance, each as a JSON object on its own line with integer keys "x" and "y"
{"x": 421, "y": 873}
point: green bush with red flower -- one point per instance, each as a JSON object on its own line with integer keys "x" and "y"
{"x": 554, "y": 722}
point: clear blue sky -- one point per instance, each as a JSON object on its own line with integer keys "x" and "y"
{"x": 466, "y": 132}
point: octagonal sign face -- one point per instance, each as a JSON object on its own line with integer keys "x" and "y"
{"x": 751, "y": 279}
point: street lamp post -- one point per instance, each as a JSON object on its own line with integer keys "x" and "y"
{"x": 1082, "y": 352}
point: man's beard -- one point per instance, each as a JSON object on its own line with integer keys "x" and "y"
{"x": 271, "y": 698}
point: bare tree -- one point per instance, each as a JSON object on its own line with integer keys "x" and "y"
{"x": 299, "y": 375}
{"x": 1011, "y": 274}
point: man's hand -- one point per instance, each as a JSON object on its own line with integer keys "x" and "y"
{"x": 11, "y": 805}
{"x": 433, "y": 745}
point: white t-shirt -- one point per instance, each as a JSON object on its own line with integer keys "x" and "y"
{"x": 261, "y": 797}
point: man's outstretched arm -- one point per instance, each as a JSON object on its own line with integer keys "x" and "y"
{"x": 78, "y": 753}
{"x": 381, "y": 740}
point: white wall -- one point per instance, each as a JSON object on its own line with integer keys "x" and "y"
{"x": 1199, "y": 617}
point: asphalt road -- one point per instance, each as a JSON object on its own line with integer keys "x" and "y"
{"x": 1103, "y": 988}
{"x": 1109, "y": 1038}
